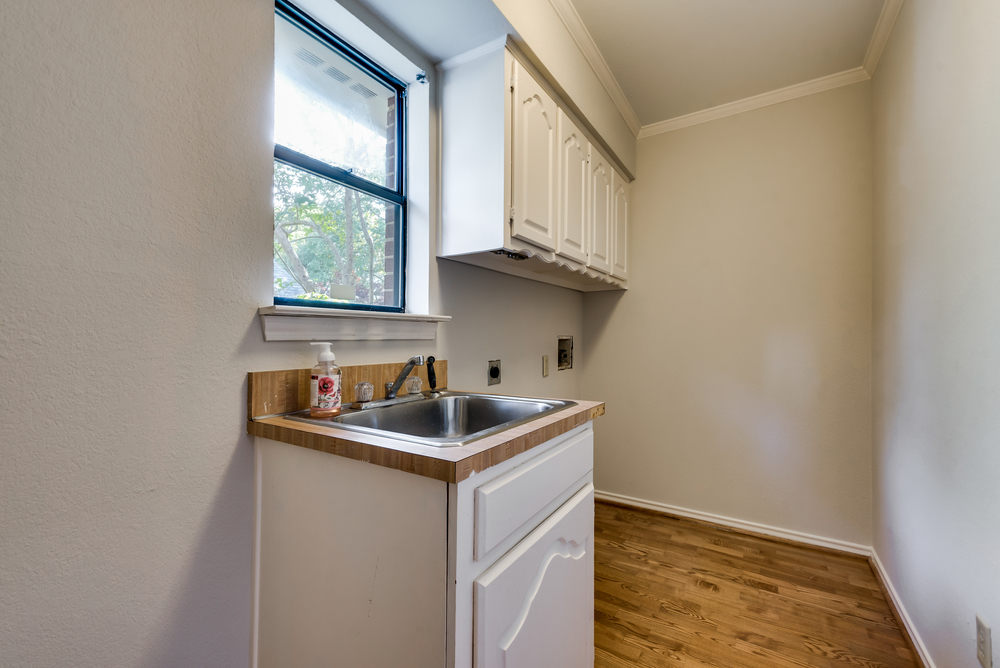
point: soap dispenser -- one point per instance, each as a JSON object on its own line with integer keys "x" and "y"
{"x": 324, "y": 391}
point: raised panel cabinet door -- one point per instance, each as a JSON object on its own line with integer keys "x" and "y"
{"x": 535, "y": 162}
{"x": 573, "y": 180}
{"x": 601, "y": 201}
{"x": 619, "y": 264}
{"x": 534, "y": 608}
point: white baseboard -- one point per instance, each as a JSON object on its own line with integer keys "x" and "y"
{"x": 925, "y": 656}
{"x": 798, "y": 536}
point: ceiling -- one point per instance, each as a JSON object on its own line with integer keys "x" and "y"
{"x": 671, "y": 57}
{"x": 676, "y": 57}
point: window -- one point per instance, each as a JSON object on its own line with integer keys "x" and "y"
{"x": 339, "y": 180}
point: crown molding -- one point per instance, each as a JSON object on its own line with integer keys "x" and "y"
{"x": 886, "y": 20}
{"x": 757, "y": 101}
{"x": 574, "y": 24}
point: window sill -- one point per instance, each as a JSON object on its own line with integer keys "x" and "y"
{"x": 303, "y": 323}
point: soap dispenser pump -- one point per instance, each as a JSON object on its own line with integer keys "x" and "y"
{"x": 324, "y": 391}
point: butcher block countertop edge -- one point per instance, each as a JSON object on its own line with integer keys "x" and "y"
{"x": 449, "y": 464}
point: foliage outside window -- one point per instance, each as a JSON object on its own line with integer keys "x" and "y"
{"x": 339, "y": 200}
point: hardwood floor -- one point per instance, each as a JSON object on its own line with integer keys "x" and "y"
{"x": 671, "y": 592}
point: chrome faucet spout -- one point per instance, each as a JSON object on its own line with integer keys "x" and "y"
{"x": 392, "y": 388}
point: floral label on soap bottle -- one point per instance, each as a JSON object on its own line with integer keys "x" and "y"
{"x": 325, "y": 391}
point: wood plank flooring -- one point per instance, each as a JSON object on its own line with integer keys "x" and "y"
{"x": 671, "y": 592}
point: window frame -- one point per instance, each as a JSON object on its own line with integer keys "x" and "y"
{"x": 345, "y": 177}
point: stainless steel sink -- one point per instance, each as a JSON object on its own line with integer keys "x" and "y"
{"x": 443, "y": 418}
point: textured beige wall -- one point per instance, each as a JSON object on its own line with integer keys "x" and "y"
{"x": 135, "y": 209}
{"x": 937, "y": 320}
{"x": 737, "y": 367}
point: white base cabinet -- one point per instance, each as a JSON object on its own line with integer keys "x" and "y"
{"x": 535, "y": 607}
{"x": 525, "y": 190}
{"x": 360, "y": 565}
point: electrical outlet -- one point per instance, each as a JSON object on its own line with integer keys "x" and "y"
{"x": 493, "y": 373}
{"x": 545, "y": 366}
{"x": 984, "y": 646}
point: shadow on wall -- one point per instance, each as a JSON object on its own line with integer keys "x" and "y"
{"x": 200, "y": 629}
{"x": 513, "y": 319}
{"x": 598, "y": 310}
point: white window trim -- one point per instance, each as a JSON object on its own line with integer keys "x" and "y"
{"x": 299, "y": 323}
{"x": 305, "y": 323}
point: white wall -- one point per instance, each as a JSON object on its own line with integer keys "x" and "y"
{"x": 736, "y": 368}
{"x": 136, "y": 212}
{"x": 937, "y": 320}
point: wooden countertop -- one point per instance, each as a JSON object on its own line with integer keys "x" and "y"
{"x": 271, "y": 394}
{"x": 453, "y": 464}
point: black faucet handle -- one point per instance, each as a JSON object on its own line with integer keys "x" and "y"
{"x": 431, "y": 376}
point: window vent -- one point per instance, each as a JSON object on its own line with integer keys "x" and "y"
{"x": 310, "y": 58}
{"x": 362, "y": 91}
{"x": 337, "y": 74}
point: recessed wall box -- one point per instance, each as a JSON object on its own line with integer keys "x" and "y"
{"x": 565, "y": 353}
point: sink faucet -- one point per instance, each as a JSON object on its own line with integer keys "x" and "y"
{"x": 392, "y": 388}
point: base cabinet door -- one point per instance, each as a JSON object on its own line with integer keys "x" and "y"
{"x": 535, "y": 606}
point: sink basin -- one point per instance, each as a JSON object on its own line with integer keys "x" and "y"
{"x": 444, "y": 418}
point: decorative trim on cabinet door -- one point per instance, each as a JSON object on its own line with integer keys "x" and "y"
{"x": 560, "y": 554}
{"x": 573, "y": 181}
{"x": 561, "y": 548}
{"x": 534, "y": 212}
{"x": 601, "y": 196}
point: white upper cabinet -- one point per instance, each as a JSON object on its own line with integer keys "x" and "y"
{"x": 601, "y": 200}
{"x": 527, "y": 189}
{"x": 574, "y": 177}
{"x": 536, "y": 162}
{"x": 620, "y": 209}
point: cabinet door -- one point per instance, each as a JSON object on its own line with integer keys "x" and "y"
{"x": 535, "y": 162}
{"x": 601, "y": 201}
{"x": 619, "y": 264}
{"x": 535, "y": 607}
{"x": 573, "y": 180}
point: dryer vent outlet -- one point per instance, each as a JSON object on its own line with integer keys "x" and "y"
{"x": 565, "y": 353}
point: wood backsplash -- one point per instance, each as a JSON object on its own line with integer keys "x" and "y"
{"x": 275, "y": 392}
